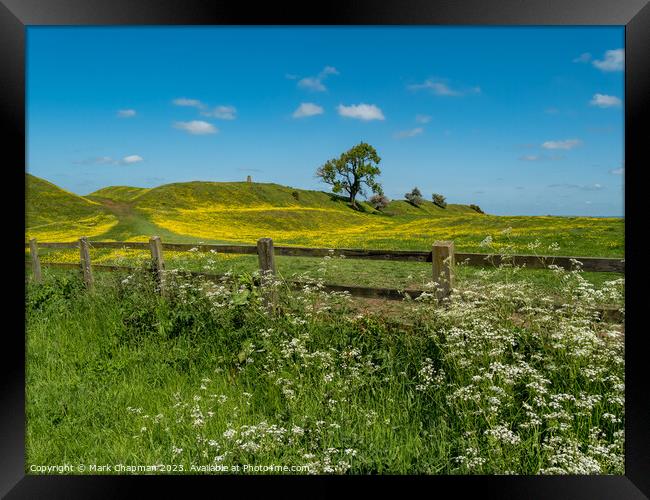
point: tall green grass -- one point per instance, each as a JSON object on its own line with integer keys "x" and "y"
{"x": 497, "y": 381}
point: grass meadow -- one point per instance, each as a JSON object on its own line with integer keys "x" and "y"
{"x": 497, "y": 381}
{"x": 516, "y": 373}
{"x": 240, "y": 212}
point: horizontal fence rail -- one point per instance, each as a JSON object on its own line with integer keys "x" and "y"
{"x": 606, "y": 312}
{"x": 592, "y": 264}
{"x": 442, "y": 257}
{"x": 355, "y": 291}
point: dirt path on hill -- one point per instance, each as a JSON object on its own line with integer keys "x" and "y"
{"x": 133, "y": 223}
{"x": 119, "y": 208}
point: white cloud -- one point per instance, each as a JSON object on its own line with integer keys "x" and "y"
{"x": 197, "y": 127}
{"x": 126, "y": 113}
{"x": 315, "y": 83}
{"x": 409, "y": 133}
{"x": 583, "y": 58}
{"x": 617, "y": 171}
{"x": 328, "y": 70}
{"x": 222, "y": 112}
{"x": 102, "y": 160}
{"x": 605, "y": 101}
{"x": 541, "y": 157}
{"x": 566, "y": 144}
{"x": 312, "y": 83}
{"x": 583, "y": 187}
{"x": 422, "y": 118}
{"x": 307, "y": 109}
{"x": 551, "y": 111}
{"x": 614, "y": 61}
{"x": 361, "y": 111}
{"x": 127, "y": 160}
{"x": 439, "y": 87}
{"x": 193, "y": 103}
{"x": 108, "y": 160}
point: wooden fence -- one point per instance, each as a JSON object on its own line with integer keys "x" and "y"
{"x": 442, "y": 257}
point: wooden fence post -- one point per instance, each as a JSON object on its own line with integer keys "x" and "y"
{"x": 85, "y": 262}
{"x": 442, "y": 258}
{"x": 155, "y": 245}
{"x": 266, "y": 257}
{"x": 36, "y": 262}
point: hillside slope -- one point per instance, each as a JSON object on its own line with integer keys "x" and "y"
{"x": 403, "y": 207}
{"x": 244, "y": 195}
{"x": 235, "y": 195}
{"x": 117, "y": 193}
{"x": 243, "y": 212}
{"x": 51, "y": 212}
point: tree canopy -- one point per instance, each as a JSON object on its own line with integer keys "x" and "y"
{"x": 414, "y": 197}
{"x": 379, "y": 201}
{"x": 439, "y": 200}
{"x": 352, "y": 170}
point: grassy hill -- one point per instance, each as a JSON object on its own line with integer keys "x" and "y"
{"x": 245, "y": 195}
{"x": 235, "y": 195}
{"x": 117, "y": 193}
{"x": 241, "y": 211}
{"x": 52, "y": 213}
{"x": 215, "y": 212}
{"x": 403, "y": 207}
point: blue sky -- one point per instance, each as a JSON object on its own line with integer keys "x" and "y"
{"x": 517, "y": 120}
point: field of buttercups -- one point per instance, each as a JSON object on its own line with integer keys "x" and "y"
{"x": 498, "y": 380}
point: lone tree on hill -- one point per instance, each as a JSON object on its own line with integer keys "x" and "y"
{"x": 350, "y": 171}
{"x": 414, "y": 197}
{"x": 439, "y": 200}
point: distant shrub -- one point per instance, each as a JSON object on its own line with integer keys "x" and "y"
{"x": 476, "y": 208}
{"x": 379, "y": 201}
{"x": 439, "y": 200}
{"x": 296, "y": 195}
{"x": 414, "y": 197}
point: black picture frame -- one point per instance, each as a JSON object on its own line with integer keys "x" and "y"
{"x": 16, "y": 15}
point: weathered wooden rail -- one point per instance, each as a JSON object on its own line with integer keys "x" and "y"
{"x": 593, "y": 264}
{"x": 442, "y": 257}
